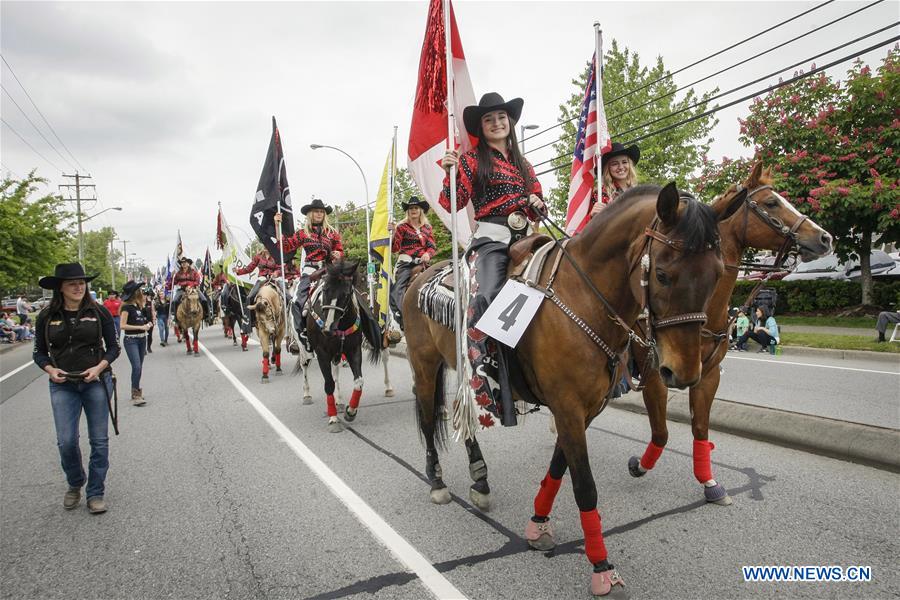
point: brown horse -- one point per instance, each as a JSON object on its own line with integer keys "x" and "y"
{"x": 269, "y": 310}
{"x": 766, "y": 221}
{"x": 650, "y": 248}
{"x": 189, "y": 316}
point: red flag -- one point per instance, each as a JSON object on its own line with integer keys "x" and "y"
{"x": 428, "y": 131}
{"x": 591, "y": 142}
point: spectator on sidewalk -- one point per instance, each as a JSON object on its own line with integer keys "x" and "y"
{"x": 75, "y": 344}
{"x": 885, "y": 317}
{"x": 22, "y": 309}
{"x": 766, "y": 335}
{"x": 114, "y": 305}
{"x": 22, "y": 332}
{"x": 741, "y": 325}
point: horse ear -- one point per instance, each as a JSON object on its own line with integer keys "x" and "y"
{"x": 667, "y": 205}
{"x": 733, "y": 205}
{"x": 755, "y": 175}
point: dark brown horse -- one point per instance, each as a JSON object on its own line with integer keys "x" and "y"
{"x": 672, "y": 268}
{"x": 765, "y": 221}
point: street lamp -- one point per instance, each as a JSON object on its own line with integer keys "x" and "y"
{"x": 522, "y": 128}
{"x": 369, "y": 270}
{"x": 82, "y": 219}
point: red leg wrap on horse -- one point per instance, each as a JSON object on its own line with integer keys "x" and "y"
{"x": 594, "y": 547}
{"x": 651, "y": 455}
{"x": 278, "y": 360}
{"x": 354, "y": 399}
{"x": 702, "y": 466}
{"x": 332, "y": 407}
{"x": 543, "y": 502}
{"x": 265, "y": 365}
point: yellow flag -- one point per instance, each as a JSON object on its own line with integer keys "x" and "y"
{"x": 379, "y": 245}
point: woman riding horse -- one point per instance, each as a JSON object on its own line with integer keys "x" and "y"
{"x": 505, "y": 193}
{"x": 267, "y": 266}
{"x": 414, "y": 242}
{"x": 322, "y": 244}
{"x": 187, "y": 276}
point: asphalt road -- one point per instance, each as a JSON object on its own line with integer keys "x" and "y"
{"x": 209, "y": 499}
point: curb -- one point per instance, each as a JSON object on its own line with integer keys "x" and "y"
{"x": 869, "y": 445}
{"x": 888, "y": 357}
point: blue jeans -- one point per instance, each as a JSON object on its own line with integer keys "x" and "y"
{"x": 118, "y": 326}
{"x": 162, "y": 327}
{"x": 136, "y": 349}
{"x": 67, "y": 400}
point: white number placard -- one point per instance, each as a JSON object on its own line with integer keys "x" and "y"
{"x": 508, "y": 316}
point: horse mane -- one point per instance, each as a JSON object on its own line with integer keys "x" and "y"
{"x": 697, "y": 229}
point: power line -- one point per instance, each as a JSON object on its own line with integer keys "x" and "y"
{"x": 770, "y": 88}
{"x": 5, "y": 91}
{"x": 693, "y": 64}
{"x": 740, "y": 87}
{"x": 764, "y": 52}
{"x": 30, "y": 99}
{"x": 29, "y": 145}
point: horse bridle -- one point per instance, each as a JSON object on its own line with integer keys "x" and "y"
{"x": 340, "y": 310}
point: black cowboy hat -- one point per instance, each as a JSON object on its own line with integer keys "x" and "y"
{"x": 129, "y": 289}
{"x": 415, "y": 201}
{"x": 316, "y": 203}
{"x": 632, "y": 152}
{"x": 189, "y": 261}
{"x": 111, "y": 292}
{"x": 490, "y": 102}
{"x": 64, "y": 272}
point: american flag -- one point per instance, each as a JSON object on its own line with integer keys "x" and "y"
{"x": 593, "y": 135}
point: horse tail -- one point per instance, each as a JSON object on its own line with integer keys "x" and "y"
{"x": 437, "y": 411}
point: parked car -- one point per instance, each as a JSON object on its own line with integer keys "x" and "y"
{"x": 762, "y": 260}
{"x": 9, "y": 304}
{"x": 831, "y": 267}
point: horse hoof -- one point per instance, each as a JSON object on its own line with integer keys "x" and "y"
{"x": 189, "y": 352}
{"x": 349, "y": 416}
{"x": 440, "y": 496}
{"x": 307, "y": 400}
{"x": 196, "y": 355}
{"x": 717, "y": 495}
{"x": 482, "y": 501}
{"x": 233, "y": 343}
{"x": 244, "y": 348}
{"x": 603, "y": 582}
{"x": 265, "y": 379}
{"x": 389, "y": 393}
{"x": 278, "y": 371}
{"x": 540, "y": 535}
{"x": 635, "y": 468}
{"x": 335, "y": 427}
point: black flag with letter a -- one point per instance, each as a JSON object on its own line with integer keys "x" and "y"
{"x": 273, "y": 187}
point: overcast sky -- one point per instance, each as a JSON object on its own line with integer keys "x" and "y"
{"x": 168, "y": 105}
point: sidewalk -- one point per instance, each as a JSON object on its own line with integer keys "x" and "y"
{"x": 867, "y": 444}
{"x": 856, "y": 331}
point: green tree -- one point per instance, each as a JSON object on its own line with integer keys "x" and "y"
{"x": 32, "y": 237}
{"x": 98, "y": 257}
{"x": 833, "y": 148}
{"x": 672, "y": 155}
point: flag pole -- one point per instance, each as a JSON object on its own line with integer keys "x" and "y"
{"x": 454, "y": 218}
{"x": 283, "y": 273}
{"x": 390, "y": 315}
{"x": 598, "y": 73}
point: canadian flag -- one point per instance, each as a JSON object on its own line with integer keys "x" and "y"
{"x": 428, "y": 132}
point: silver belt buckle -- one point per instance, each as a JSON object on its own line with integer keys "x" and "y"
{"x": 517, "y": 221}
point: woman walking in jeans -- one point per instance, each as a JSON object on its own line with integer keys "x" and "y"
{"x": 75, "y": 342}
{"x": 134, "y": 326}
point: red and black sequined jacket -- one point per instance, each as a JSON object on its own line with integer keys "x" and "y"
{"x": 191, "y": 278}
{"x": 415, "y": 243}
{"x": 318, "y": 244}
{"x": 506, "y": 191}
{"x": 266, "y": 264}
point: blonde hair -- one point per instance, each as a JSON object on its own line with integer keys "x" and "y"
{"x": 326, "y": 226}
{"x": 630, "y": 179}
{"x": 138, "y": 299}
{"x": 423, "y": 216}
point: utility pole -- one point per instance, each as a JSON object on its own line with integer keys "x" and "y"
{"x": 125, "y": 255}
{"x": 77, "y": 199}
{"x": 112, "y": 261}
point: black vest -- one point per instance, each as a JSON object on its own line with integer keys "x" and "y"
{"x": 75, "y": 341}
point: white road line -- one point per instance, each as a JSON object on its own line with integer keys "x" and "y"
{"x": 787, "y": 362}
{"x": 11, "y": 373}
{"x": 393, "y": 541}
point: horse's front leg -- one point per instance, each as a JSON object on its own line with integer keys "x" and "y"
{"x": 655, "y": 399}
{"x": 336, "y": 376}
{"x": 334, "y": 424}
{"x": 538, "y": 531}
{"x": 197, "y": 341}
{"x": 277, "y": 351}
{"x": 480, "y": 491}
{"x": 702, "y": 396}
{"x": 355, "y": 360}
{"x": 388, "y": 388}
{"x": 264, "y": 344}
{"x": 573, "y": 441}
